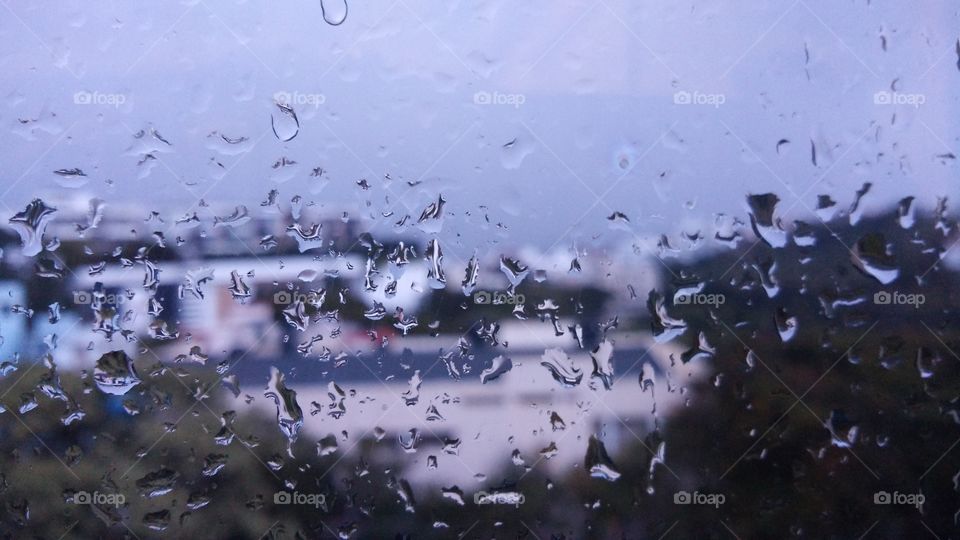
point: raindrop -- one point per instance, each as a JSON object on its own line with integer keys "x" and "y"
{"x": 334, "y": 11}
{"x": 213, "y": 463}
{"x": 409, "y": 444}
{"x": 453, "y": 493}
{"x": 31, "y": 224}
{"x": 295, "y": 314}
{"x": 115, "y": 373}
{"x": 284, "y": 122}
{"x": 402, "y": 487}
{"x": 431, "y": 219}
{"x": 786, "y": 325}
{"x": 561, "y": 369}
{"x": 514, "y": 270}
{"x": 376, "y": 313}
{"x": 765, "y": 224}
{"x": 69, "y": 172}
{"x": 557, "y": 423}
{"x": 196, "y": 356}
{"x": 327, "y": 445}
{"x": 782, "y": 146}
{"x": 71, "y": 178}
{"x": 157, "y": 483}
{"x": 501, "y": 364}
{"x": 412, "y": 395}
{"x": 905, "y": 212}
{"x": 598, "y": 462}
{"x": 602, "y": 358}
{"x": 307, "y": 275}
{"x": 826, "y": 207}
{"x": 435, "y": 275}
{"x": 958, "y": 54}
{"x": 856, "y": 209}
{"x": 158, "y": 521}
{"x": 239, "y": 216}
{"x": 664, "y": 326}
{"x": 289, "y": 414}
{"x": 238, "y": 289}
{"x": 472, "y": 273}
{"x": 870, "y": 256}
{"x": 514, "y": 152}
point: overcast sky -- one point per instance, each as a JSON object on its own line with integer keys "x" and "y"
{"x": 531, "y": 109}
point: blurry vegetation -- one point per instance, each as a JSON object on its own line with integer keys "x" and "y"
{"x": 796, "y": 435}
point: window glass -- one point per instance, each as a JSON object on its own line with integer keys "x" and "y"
{"x": 426, "y": 269}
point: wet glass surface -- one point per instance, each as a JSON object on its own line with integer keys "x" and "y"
{"x": 405, "y": 269}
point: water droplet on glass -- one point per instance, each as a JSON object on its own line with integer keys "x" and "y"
{"x": 560, "y": 367}
{"x": 157, "y": 483}
{"x": 906, "y": 212}
{"x": 334, "y": 11}
{"x": 157, "y": 521}
{"x": 598, "y": 462}
{"x": 513, "y": 153}
{"x": 239, "y": 216}
{"x": 514, "y": 270}
{"x": 431, "y": 219}
{"x": 765, "y": 224}
{"x": 115, "y": 373}
{"x": 453, "y": 493}
{"x": 412, "y": 395}
{"x": 602, "y": 358}
{"x": 289, "y": 414}
{"x": 435, "y": 276}
{"x": 284, "y": 122}
{"x": 500, "y": 365}
{"x": 471, "y": 275}
{"x": 871, "y": 257}
{"x": 31, "y": 224}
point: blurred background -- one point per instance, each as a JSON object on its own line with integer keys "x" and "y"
{"x": 479, "y": 270}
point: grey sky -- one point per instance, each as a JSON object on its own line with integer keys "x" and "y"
{"x": 399, "y": 83}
